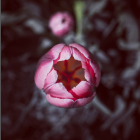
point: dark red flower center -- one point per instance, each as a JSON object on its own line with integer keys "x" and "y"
{"x": 70, "y": 73}
{"x": 63, "y": 20}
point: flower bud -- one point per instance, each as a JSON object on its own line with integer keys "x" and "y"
{"x": 61, "y": 23}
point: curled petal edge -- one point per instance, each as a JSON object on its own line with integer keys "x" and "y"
{"x": 69, "y": 103}
{"x": 50, "y": 79}
{"x": 82, "y": 49}
{"x": 58, "y": 90}
{"x": 42, "y": 72}
{"x": 65, "y": 53}
{"x": 84, "y": 101}
{"x": 97, "y": 72}
{"x": 82, "y": 89}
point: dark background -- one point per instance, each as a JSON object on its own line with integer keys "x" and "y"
{"x": 111, "y": 31}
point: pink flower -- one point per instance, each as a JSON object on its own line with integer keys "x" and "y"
{"x": 61, "y": 23}
{"x": 68, "y": 75}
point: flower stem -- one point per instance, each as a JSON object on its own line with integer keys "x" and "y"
{"x": 78, "y": 9}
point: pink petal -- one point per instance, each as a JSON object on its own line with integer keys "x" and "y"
{"x": 66, "y": 103}
{"x": 82, "y": 49}
{"x": 45, "y": 65}
{"x": 84, "y": 101}
{"x": 58, "y": 90}
{"x": 69, "y": 103}
{"x": 93, "y": 62}
{"x": 83, "y": 89}
{"x": 51, "y": 79}
{"x": 88, "y": 76}
{"x": 78, "y": 55}
{"x": 41, "y": 73}
{"x": 65, "y": 53}
{"x": 97, "y": 72}
{"x": 54, "y": 52}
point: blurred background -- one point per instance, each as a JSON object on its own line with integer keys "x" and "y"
{"x": 111, "y": 31}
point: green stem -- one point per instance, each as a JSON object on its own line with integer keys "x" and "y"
{"x": 78, "y": 9}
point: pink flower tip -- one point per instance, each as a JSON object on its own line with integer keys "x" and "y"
{"x": 61, "y": 23}
{"x": 68, "y": 75}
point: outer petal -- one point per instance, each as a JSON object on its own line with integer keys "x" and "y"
{"x": 84, "y": 101}
{"x": 51, "y": 78}
{"x": 65, "y": 53}
{"x": 82, "y": 49}
{"x": 41, "y": 73}
{"x": 45, "y": 65}
{"x": 54, "y": 52}
{"x": 89, "y": 75}
{"x": 59, "y": 91}
{"x": 78, "y": 55}
{"x": 67, "y": 103}
{"x": 97, "y": 72}
{"x": 83, "y": 89}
